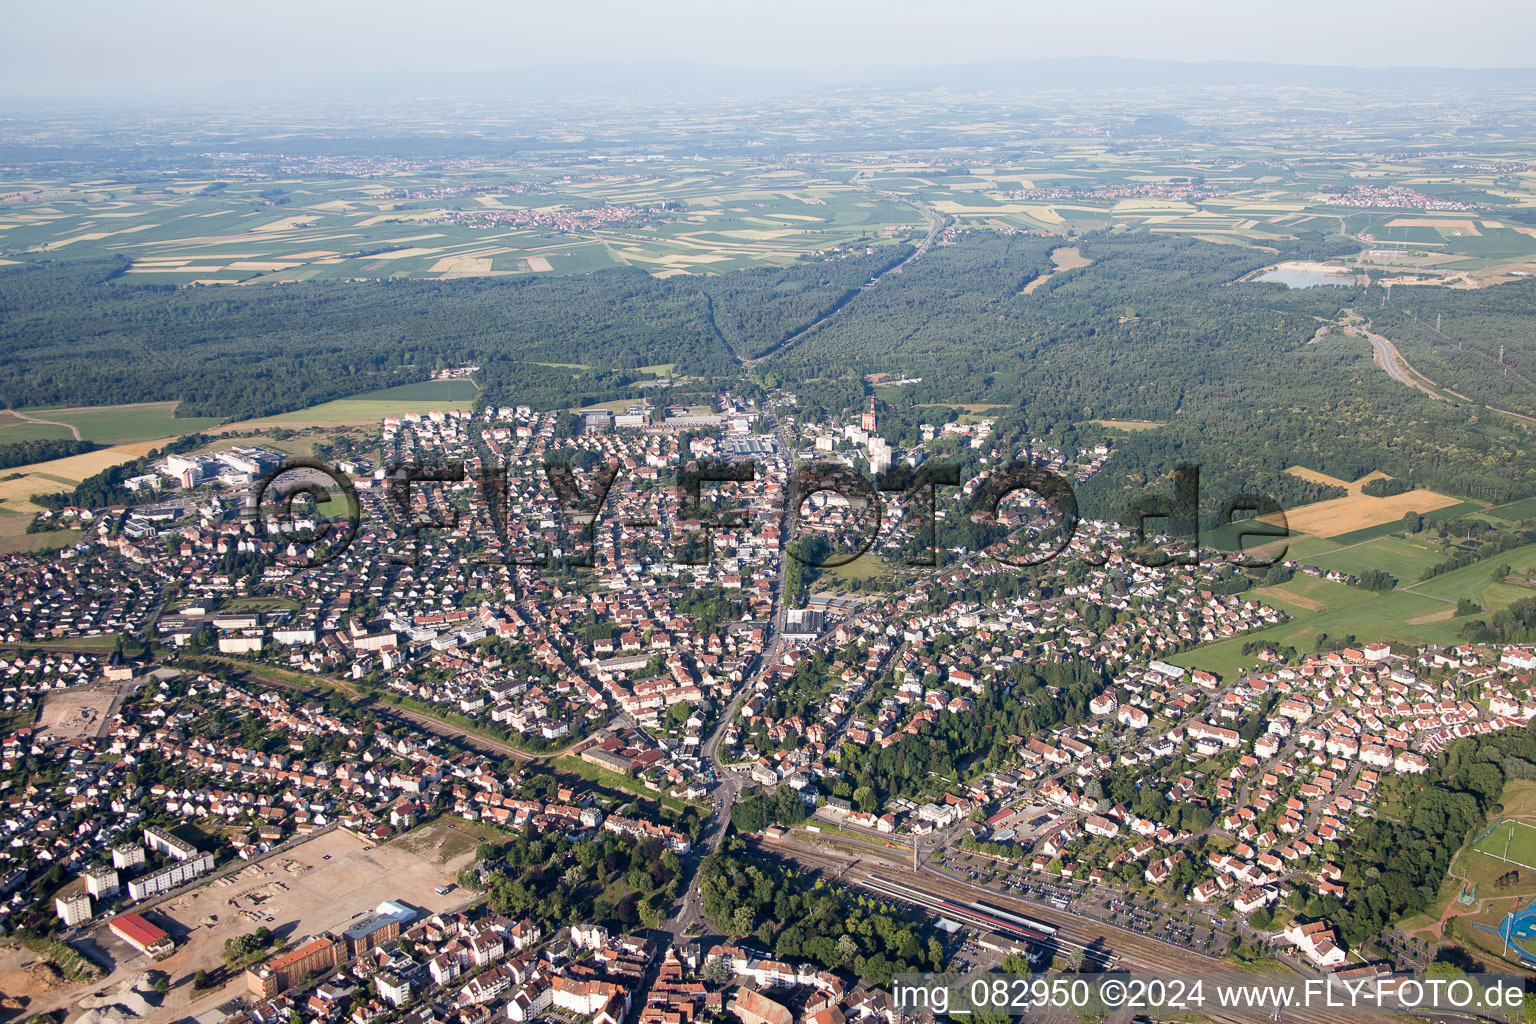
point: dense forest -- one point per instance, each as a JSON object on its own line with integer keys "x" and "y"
{"x": 1157, "y": 329}
{"x": 84, "y": 334}
{"x": 1478, "y": 343}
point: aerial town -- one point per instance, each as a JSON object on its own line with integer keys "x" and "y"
{"x": 462, "y": 768}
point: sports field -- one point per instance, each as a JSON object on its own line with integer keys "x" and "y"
{"x": 1495, "y": 887}
{"x": 1511, "y": 841}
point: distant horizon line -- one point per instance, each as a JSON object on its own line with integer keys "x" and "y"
{"x": 798, "y": 80}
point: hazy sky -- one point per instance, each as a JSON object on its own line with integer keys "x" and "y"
{"x": 139, "y": 46}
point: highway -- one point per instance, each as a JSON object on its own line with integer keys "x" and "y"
{"x": 1390, "y": 359}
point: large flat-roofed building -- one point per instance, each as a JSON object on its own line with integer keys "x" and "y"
{"x": 805, "y": 623}
{"x": 141, "y": 935}
{"x": 370, "y": 932}
{"x": 285, "y": 970}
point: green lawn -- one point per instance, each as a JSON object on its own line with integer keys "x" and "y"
{"x": 105, "y": 643}
{"x": 260, "y": 604}
{"x": 862, "y": 568}
{"x": 615, "y": 781}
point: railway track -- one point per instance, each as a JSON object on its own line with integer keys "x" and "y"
{"x": 1131, "y": 951}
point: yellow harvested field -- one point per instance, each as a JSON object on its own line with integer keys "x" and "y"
{"x": 262, "y": 265}
{"x": 461, "y": 265}
{"x": 1359, "y": 511}
{"x": 285, "y": 224}
{"x": 401, "y": 254}
{"x": 1069, "y": 258}
{"x": 1066, "y": 258}
{"x": 1315, "y": 477}
{"x": 44, "y": 477}
{"x": 1470, "y": 227}
{"x": 539, "y": 264}
{"x": 1332, "y": 481}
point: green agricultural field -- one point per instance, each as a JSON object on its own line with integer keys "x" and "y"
{"x": 1303, "y": 595}
{"x": 705, "y": 216}
{"x": 1398, "y": 616}
{"x": 14, "y": 536}
{"x": 1514, "y": 512}
{"x": 454, "y": 223}
{"x": 1476, "y": 581}
{"x": 458, "y": 390}
{"x": 1402, "y": 558}
{"x": 1298, "y": 547}
{"x": 108, "y": 424}
{"x": 13, "y": 428}
{"x": 375, "y": 405}
{"x": 299, "y": 444}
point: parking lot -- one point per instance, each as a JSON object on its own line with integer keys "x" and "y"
{"x": 1185, "y": 927}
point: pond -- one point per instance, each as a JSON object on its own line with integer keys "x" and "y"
{"x": 1308, "y": 279}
